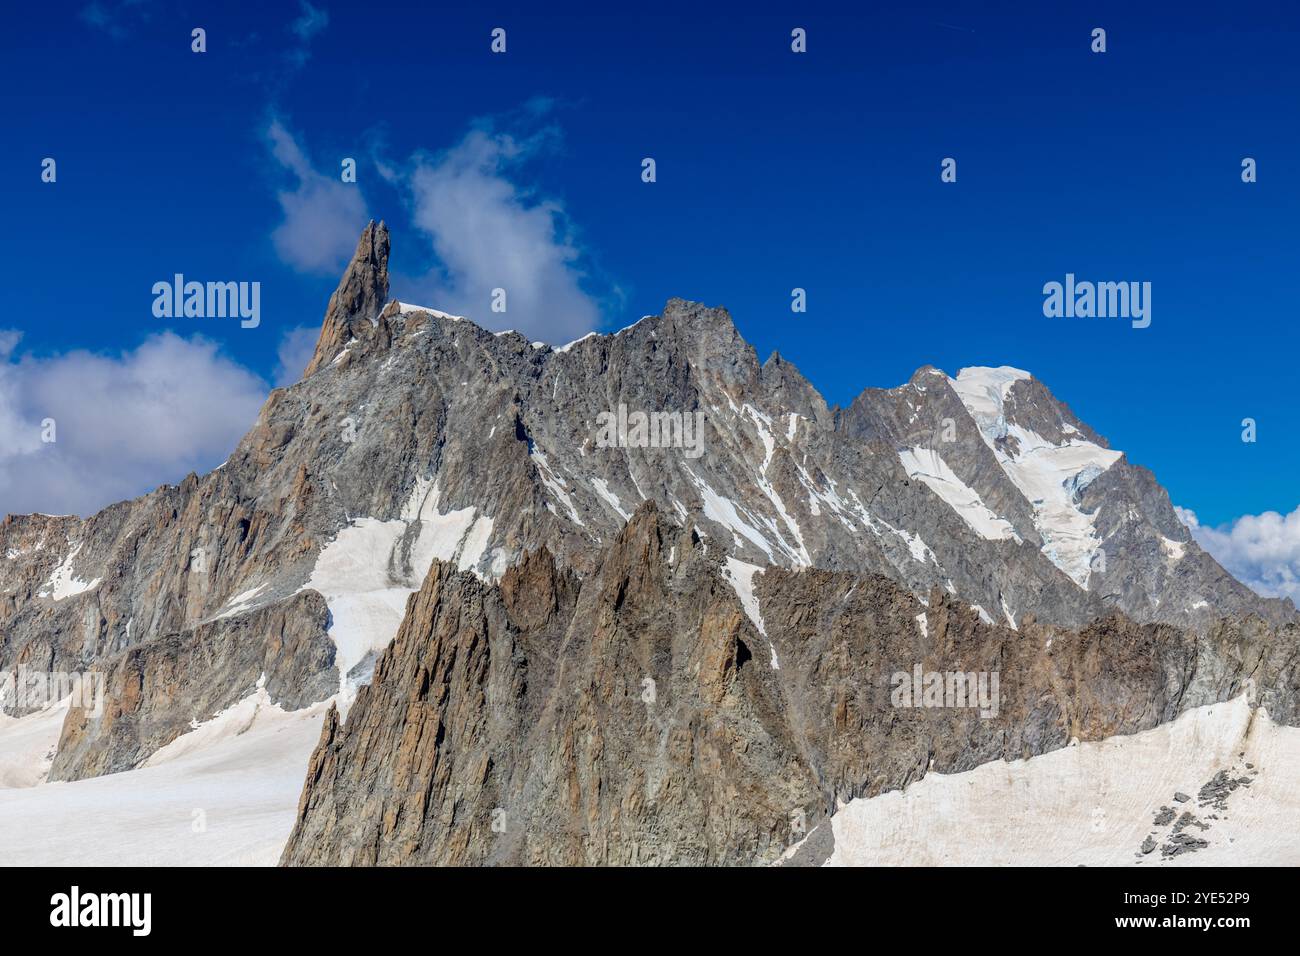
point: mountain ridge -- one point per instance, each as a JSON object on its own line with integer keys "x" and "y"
{"x": 417, "y": 436}
{"x": 633, "y": 716}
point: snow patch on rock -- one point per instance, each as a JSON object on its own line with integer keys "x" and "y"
{"x": 369, "y": 569}
{"x": 1051, "y": 477}
{"x": 62, "y": 583}
{"x": 740, "y": 576}
{"x": 611, "y": 499}
{"x": 406, "y": 308}
{"x": 928, "y": 467}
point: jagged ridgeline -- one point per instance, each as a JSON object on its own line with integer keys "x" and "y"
{"x": 544, "y": 530}
{"x": 642, "y": 715}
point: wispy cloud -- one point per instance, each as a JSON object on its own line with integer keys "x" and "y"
{"x": 322, "y": 215}
{"x": 117, "y": 19}
{"x": 482, "y": 227}
{"x": 294, "y": 352}
{"x": 1262, "y": 551}
{"x": 487, "y": 231}
{"x": 311, "y": 21}
{"x": 121, "y": 423}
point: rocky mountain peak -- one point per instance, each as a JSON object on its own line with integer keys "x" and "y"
{"x": 710, "y": 339}
{"x": 423, "y": 437}
{"x": 926, "y": 376}
{"x": 357, "y": 302}
{"x": 785, "y": 385}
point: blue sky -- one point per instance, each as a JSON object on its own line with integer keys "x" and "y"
{"x": 775, "y": 170}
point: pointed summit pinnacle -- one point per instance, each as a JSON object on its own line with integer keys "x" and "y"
{"x": 357, "y": 301}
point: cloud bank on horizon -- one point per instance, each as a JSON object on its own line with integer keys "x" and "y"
{"x": 121, "y": 425}
{"x": 1261, "y": 551}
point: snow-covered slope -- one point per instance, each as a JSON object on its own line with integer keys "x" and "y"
{"x": 372, "y": 566}
{"x": 1051, "y": 475}
{"x": 223, "y": 794}
{"x": 1096, "y": 803}
{"x": 928, "y": 465}
{"x": 27, "y": 745}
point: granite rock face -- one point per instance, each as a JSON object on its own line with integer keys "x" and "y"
{"x": 618, "y": 719}
{"x": 359, "y": 298}
{"x": 639, "y": 716}
{"x": 154, "y": 687}
{"x": 417, "y": 437}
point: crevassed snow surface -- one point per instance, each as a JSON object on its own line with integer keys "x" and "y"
{"x": 224, "y": 794}
{"x": 984, "y": 390}
{"x": 1093, "y": 803}
{"x": 1041, "y": 471}
{"x": 928, "y": 466}
{"x": 1047, "y": 475}
{"x": 366, "y": 598}
{"x": 62, "y": 583}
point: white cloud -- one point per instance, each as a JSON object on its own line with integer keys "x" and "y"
{"x": 489, "y": 233}
{"x": 484, "y": 230}
{"x": 1262, "y": 551}
{"x": 311, "y": 21}
{"x": 322, "y": 214}
{"x": 296, "y": 349}
{"x": 123, "y": 423}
